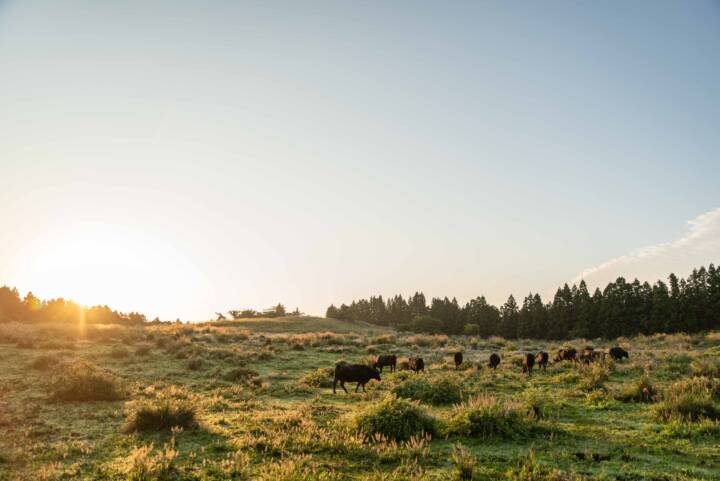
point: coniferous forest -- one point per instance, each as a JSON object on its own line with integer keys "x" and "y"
{"x": 622, "y": 308}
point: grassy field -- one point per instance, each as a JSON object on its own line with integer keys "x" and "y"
{"x": 253, "y": 400}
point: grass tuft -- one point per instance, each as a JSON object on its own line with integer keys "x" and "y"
{"x": 393, "y": 418}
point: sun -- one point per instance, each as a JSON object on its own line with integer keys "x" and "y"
{"x": 103, "y": 263}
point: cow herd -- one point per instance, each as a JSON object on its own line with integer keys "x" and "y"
{"x": 362, "y": 373}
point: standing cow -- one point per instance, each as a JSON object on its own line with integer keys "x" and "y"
{"x": 566, "y": 354}
{"x": 528, "y": 363}
{"x": 416, "y": 364}
{"x": 359, "y": 373}
{"x": 458, "y": 359}
{"x": 494, "y": 361}
{"x": 389, "y": 360}
{"x": 617, "y": 353}
{"x": 542, "y": 358}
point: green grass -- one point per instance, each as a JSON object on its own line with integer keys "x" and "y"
{"x": 260, "y": 407}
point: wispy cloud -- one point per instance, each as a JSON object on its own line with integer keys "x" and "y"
{"x": 699, "y": 245}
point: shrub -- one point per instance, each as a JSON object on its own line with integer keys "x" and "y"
{"x": 705, "y": 367}
{"x": 486, "y": 416}
{"x": 242, "y": 375}
{"x": 592, "y": 377}
{"x": 195, "y": 363}
{"x": 322, "y": 377}
{"x": 443, "y": 391}
{"x": 83, "y": 381}
{"x": 160, "y": 415}
{"x": 44, "y": 362}
{"x": 143, "y": 350}
{"x": 393, "y": 418}
{"x": 119, "y": 352}
{"x": 538, "y": 404}
{"x": 687, "y": 400}
{"x": 639, "y": 391}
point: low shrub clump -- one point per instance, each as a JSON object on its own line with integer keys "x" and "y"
{"x": 487, "y": 416}
{"x": 592, "y": 377}
{"x": 393, "y": 418}
{"x": 705, "y": 368}
{"x": 83, "y": 381}
{"x": 161, "y": 415}
{"x": 195, "y": 363}
{"x": 688, "y": 400}
{"x": 143, "y": 350}
{"x": 640, "y": 391}
{"x": 242, "y": 375}
{"x": 44, "y": 362}
{"x": 119, "y": 352}
{"x": 322, "y": 377}
{"x": 443, "y": 391}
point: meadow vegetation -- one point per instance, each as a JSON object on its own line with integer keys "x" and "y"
{"x": 252, "y": 399}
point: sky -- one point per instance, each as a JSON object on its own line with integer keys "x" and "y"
{"x": 187, "y": 157}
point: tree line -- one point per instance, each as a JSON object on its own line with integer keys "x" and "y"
{"x": 32, "y": 309}
{"x": 275, "y": 311}
{"x": 620, "y": 309}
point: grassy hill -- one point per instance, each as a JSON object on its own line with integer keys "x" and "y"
{"x": 297, "y": 324}
{"x": 254, "y": 400}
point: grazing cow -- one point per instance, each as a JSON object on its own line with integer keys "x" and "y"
{"x": 359, "y": 373}
{"x": 494, "y": 360}
{"x": 589, "y": 355}
{"x": 387, "y": 360}
{"x": 458, "y": 359}
{"x": 542, "y": 358}
{"x": 528, "y": 363}
{"x": 569, "y": 354}
{"x": 416, "y": 364}
{"x": 617, "y": 353}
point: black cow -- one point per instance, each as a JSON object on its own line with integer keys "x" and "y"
{"x": 528, "y": 363}
{"x": 617, "y": 353}
{"x": 569, "y": 354}
{"x": 359, "y": 373}
{"x": 386, "y": 360}
{"x": 494, "y": 360}
{"x": 542, "y": 358}
{"x": 416, "y": 364}
{"x": 458, "y": 359}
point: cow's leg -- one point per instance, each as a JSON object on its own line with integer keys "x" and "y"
{"x": 342, "y": 385}
{"x": 334, "y": 384}
{"x": 358, "y": 386}
{"x": 363, "y": 386}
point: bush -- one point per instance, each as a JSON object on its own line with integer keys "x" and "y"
{"x": 119, "y": 352}
{"x": 160, "y": 416}
{"x": 242, "y": 375}
{"x": 143, "y": 350}
{"x": 322, "y": 377}
{"x": 688, "y": 400}
{"x": 196, "y": 363}
{"x": 639, "y": 391}
{"x": 393, "y": 418}
{"x": 592, "y": 377}
{"x": 486, "y": 416}
{"x": 705, "y": 367}
{"x": 538, "y": 404}
{"x": 45, "y": 362}
{"x": 443, "y": 391}
{"x": 83, "y": 381}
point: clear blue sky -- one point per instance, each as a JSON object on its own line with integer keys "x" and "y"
{"x": 180, "y": 158}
